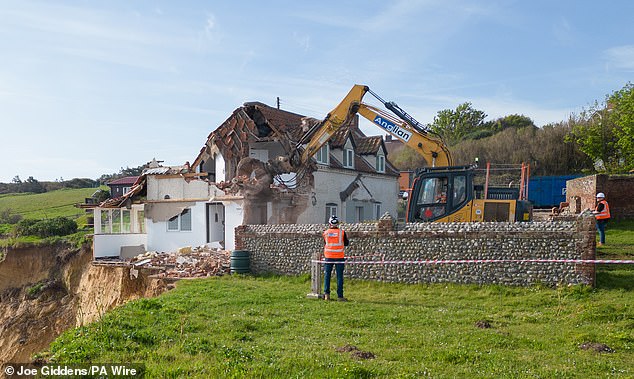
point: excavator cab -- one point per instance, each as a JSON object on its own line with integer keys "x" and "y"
{"x": 449, "y": 194}
{"x": 439, "y": 193}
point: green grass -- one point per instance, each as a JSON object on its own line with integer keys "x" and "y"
{"x": 619, "y": 238}
{"x": 266, "y": 327}
{"x": 47, "y": 205}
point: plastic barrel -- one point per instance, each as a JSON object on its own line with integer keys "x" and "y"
{"x": 239, "y": 262}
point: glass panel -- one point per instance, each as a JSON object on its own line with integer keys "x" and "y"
{"x": 186, "y": 220}
{"x": 459, "y": 189}
{"x": 172, "y": 224}
{"x": 125, "y": 221}
{"x": 105, "y": 222}
{"x": 140, "y": 219}
{"x": 116, "y": 221}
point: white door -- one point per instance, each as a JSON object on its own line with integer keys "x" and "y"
{"x": 216, "y": 223}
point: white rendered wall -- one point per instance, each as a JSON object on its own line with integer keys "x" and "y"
{"x": 329, "y": 183}
{"x": 109, "y": 245}
{"x": 233, "y": 218}
{"x": 162, "y": 240}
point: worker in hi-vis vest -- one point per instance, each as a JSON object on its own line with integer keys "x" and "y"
{"x": 602, "y": 214}
{"x": 336, "y": 240}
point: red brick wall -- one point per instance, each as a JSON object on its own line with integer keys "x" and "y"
{"x": 619, "y": 192}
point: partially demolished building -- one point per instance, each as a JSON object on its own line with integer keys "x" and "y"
{"x": 203, "y": 203}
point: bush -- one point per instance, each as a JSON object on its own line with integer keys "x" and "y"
{"x": 8, "y": 217}
{"x": 58, "y": 226}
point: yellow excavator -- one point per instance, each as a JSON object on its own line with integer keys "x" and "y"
{"x": 442, "y": 192}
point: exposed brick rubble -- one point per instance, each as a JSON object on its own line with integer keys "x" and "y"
{"x": 199, "y": 262}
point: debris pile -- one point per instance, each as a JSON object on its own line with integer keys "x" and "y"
{"x": 198, "y": 262}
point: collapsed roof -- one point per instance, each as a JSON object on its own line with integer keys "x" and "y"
{"x": 258, "y": 122}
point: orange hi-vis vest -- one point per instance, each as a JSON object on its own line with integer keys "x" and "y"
{"x": 605, "y": 213}
{"x": 334, "y": 243}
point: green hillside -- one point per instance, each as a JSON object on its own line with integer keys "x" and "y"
{"x": 47, "y": 205}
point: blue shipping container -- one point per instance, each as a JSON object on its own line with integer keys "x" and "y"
{"x": 548, "y": 191}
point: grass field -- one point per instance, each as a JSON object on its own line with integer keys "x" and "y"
{"x": 47, "y": 205}
{"x": 253, "y": 327}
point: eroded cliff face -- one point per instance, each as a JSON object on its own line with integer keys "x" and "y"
{"x": 47, "y": 290}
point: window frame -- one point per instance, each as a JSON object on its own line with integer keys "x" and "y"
{"x": 380, "y": 163}
{"x": 176, "y": 224}
{"x": 323, "y": 152}
{"x": 331, "y": 210}
{"x": 348, "y": 158}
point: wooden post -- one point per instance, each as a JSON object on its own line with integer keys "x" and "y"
{"x": 315, "y": 276}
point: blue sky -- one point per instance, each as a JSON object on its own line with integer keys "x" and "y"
{"x": 89, "y": 87}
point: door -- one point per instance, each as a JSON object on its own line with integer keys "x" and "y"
{"x": 216, "y": 223}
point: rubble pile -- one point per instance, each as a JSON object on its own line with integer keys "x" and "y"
{"x": 198, "y": 262}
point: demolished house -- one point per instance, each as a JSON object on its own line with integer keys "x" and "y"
{"x": 242, "y": 175}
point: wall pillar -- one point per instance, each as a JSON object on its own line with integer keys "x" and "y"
{"x": 315, "y": 277}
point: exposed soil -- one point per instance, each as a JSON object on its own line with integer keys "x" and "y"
{"x": 597, "y": 347}
{"x": 483, "y": 324}
{"x": 47, "y": 290}
{"x": 355, "y": 352}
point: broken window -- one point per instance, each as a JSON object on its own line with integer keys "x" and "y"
{"x": 181, "y": 222}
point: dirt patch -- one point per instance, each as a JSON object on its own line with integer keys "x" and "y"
{"x": 483, "y": 324}
{"x": 355, "y": 352}
{"x": 346, "y": 349}
{"x": 362, "y": 355}
{"x": 597, "y": 347}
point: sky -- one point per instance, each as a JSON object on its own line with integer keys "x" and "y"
{"x": 90, "y": 87}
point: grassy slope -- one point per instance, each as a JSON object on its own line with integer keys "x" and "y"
{"x": 48, "y": 204}
{"x": 265, "y": 327}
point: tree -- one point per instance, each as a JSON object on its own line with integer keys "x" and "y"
{"x": 453, "y": 126}
{"x": 407, "y": 158}
{"x": 594, "y": 132}
{"x": 621, "y": 114}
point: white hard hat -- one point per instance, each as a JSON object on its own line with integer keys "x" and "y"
{"x": 600, "y": 195}
{"x": 333, "y": 220}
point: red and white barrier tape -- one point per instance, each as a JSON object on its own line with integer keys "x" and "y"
{"x": 462, "y": 261}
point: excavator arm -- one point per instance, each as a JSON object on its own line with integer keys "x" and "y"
{"x": 403, "y": 126}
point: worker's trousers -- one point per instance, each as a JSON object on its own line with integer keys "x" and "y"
{"x": 601, "y": 224}
{"x": 328, "y": 272}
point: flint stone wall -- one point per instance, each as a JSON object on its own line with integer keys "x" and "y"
{"x": 288, "y": 250}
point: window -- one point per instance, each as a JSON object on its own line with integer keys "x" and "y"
{"x": 121, "y": 220}
{"x": 380, "y": 163}
{"x": 140, "y": 219}
{"x": 116, "y": 221}
{"x": 359, "y": 214}
{"x": 331, "y": 210}
{"x": 433, "y": 190}
{"x": 181, "y": 222}
{"x": 459, "y": 189}
{"x": 126, "y": 190}
{"x": 125, "y": 221}
{"x": 377, "y": 210}
{"x": 322, "y": 155}
{"x": 348, "y": 158}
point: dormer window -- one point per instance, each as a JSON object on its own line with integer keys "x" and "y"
{"x": 323, "y": 154}
{"x": 380, "y": 163}
{"x": 348, "y": 158}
